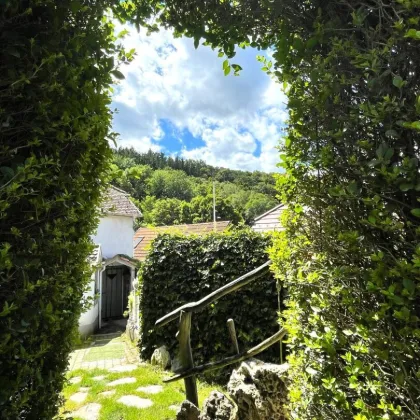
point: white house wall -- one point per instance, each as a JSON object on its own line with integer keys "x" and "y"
{"x": 115, "y": 235}
{"x": 89, "y": 320}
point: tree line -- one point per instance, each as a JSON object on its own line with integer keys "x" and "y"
{"x": 173, "y": 190}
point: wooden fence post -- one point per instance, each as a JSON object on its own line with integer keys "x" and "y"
{"x": 232, "y": 333}
{"x": 185, "y": 356}
{"x": 233, "y": 338}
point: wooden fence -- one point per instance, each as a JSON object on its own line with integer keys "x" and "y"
{"x": 187, "y": 369}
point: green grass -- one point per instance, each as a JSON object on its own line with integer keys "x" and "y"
{"x": 110, "y": 351}
{"x": 172, "y": 394}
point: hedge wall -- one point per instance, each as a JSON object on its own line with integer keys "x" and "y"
{"x": 56, "y": 64}
{"x": 182, "y": 269}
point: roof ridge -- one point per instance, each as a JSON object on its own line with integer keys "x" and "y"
{"x": 119, "y": 190}
{"x": 269, "y": 211}
{"x": 190, "y": 224}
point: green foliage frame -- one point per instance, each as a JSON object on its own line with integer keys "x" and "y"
{"x": 57, "y": 63}
{"x": 181, "y": 269}
{"x": 350, "y": 256}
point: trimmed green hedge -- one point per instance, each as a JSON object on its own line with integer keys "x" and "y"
{"x": 56, "y": 59}
{"x": 182, "y": 269}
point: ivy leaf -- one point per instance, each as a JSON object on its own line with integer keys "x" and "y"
{"x": 415, "y": 212}
{"x": 117, "y": 74}
{"x": 415, "y": 125}
{"x": 412, "y": 33}
{"x": 226, "y": 70}
{"x": 8, "y": 173}
{"x": 406, "y": 186}
{"x": 409, "y": 285}
{"x": 398, "y": 82}
{"x": 372, "y": 220}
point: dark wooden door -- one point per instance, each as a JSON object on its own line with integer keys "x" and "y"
{"x": 112, "y": 292}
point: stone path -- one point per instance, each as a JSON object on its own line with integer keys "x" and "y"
{"x": 122, "y": 381}
{"x": 151, "y": 389}
{"x": 135, "y": 401}
{"x": 106, "y": 351}
{"x": 100, "y": 353}
{"x": 88, "y": 412}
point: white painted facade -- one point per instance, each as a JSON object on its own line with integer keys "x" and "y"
{"x": 109, "y": 287}
{"x": 89, "y": 320}
{"x": 115, "y": 235}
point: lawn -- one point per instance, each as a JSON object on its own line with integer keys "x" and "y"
{"x": 165, "y": 402}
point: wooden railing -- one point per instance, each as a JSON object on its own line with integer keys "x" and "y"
{"x": 187, "y": 369}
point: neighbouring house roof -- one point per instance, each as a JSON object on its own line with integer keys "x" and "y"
{"x": 117, "y": 203}
{"x": 269, "y": 221}
{"x": 144, "y": 236}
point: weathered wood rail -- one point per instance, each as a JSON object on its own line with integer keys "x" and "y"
{"x": 184, "y": 313}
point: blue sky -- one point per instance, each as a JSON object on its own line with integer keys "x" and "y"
{"x": 176, "y": 99}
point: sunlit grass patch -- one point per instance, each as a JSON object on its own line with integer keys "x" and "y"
{"x": 164, "y": 402}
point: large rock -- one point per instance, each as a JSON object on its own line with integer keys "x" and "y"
{"x": 218, "y": 407}
{"x": 188, "y": 411}
{"x": 259, "y": 390}
{"x": 161, "y": 357}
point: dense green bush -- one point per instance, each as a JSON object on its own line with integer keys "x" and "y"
{"x": 56, "y": 68}
{"x": 183, "y": 269}
{"x": 351, "y": 254}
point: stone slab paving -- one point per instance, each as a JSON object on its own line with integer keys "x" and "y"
{"x": 78, "y": 397}
{"x": 88, "y": 411}
{"x": 151, "y": 389}
{"x": 76, "y": 380}
{"x": 99, "y": 378}
{"x": 99, "y": 353}
{"x": 135, "y": 401}
{"x": 122, "y": 381}
{"x": 123, "y": 368}
{"x": 107, "y": 393}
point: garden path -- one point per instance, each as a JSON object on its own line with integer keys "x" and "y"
{"x": 107, "y": 381}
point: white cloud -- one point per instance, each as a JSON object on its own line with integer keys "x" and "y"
{"x": 169, "y": 81}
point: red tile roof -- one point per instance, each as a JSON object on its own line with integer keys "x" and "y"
{"x": 117, "y": 202}
{"x": 144, "y": 236}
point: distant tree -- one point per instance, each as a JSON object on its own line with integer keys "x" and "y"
{"x": 202, "y": 210}
{"x": 132, "y": 179}
{"x": 258, "y": 204}
{"x": 168, "y": 211}
{"x": 170, "y": 183}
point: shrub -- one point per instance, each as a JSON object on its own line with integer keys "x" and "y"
{"x": 351, "y": 254}
{"x": 56, "y": 66}
{"x": 183, "y": 269}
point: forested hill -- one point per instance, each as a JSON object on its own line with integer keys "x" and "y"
{"x": 175, "y": 190}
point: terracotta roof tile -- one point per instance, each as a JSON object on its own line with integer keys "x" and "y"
{"x": 144, "y": 236}
{"x": 117, "y": 202}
